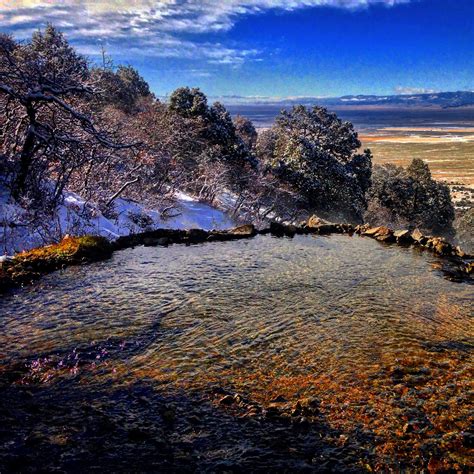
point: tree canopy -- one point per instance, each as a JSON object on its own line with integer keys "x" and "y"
{"x": 315, "y": 151}
{"x": 100, "y": 131}
{"x": 409, "y": 197}
{"x": 48, "y": 131}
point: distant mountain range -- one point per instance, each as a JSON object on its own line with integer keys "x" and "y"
{"x": 436, "y": 99}
{"x": 433, "y": 99}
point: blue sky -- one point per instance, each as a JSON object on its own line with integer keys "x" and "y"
{"x": 270, "y": 48}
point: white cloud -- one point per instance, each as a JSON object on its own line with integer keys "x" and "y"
{"x": 153, "y": 27}
{"x": 414, "y": 90}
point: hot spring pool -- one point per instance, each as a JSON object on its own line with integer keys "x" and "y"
{"x": 371, "y": 334}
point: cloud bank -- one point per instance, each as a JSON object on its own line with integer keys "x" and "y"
{"x": 154, "y": 28}
{"x": 414, "y": 90}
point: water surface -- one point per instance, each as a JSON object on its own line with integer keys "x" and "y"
{"x": 366, "y": 120}
{"x": 373, "y": 332}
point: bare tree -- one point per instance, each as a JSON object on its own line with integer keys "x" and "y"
{"x": 48, "y": 132}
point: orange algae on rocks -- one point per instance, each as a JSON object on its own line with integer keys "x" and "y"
{"x": 30, "y": 265}
{"x": 69, "y": 250}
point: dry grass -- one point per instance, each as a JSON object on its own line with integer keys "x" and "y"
{"x": 450, "y": 161}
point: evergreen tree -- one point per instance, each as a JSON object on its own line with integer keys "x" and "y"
{"x": 315, "y": 152}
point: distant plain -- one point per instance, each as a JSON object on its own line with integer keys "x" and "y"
{"x": 444, "y": 138}
{"x": 449, "y": 153}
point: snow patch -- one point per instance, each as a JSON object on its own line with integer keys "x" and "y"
{"x": 77, "y": 217}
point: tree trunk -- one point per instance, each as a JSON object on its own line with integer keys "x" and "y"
{"x": 26, "y": 157}
{"x": 121, "y": 190}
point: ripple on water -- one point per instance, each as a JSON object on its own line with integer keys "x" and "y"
{"x": 331, "y": 317}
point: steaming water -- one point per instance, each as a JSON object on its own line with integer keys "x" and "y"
{"x": 311, "y": 316}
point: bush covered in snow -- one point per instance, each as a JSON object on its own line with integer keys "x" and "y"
{"x": 409, "y": 197}
{"x": 315, "y": 152}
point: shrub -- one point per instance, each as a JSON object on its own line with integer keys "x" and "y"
{"x": 409, "y": 197}
{"x": 464, "y": 226}
{"x": 315, "y": 152}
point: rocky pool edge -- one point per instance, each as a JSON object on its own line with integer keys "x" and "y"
{"x": 27, "y": 267}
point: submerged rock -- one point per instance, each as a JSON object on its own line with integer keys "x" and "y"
{"x": 227, "y": 400}
{"x": 272, "y": 411}
{"x": 459, "y": 252}
{"x": 279, "y": 399}
{"x": 469, "y": 268}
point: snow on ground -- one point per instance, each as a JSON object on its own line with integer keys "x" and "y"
{"x": 195, "y": 214}
{"x": 76, "y": 217}
{"x": 227, "y": 200}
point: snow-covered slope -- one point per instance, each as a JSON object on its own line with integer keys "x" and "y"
{"x": 77, "y": 217}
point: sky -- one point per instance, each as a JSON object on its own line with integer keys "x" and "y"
{"x": 247, "y": 50}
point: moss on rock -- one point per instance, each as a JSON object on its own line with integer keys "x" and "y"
{"x": 30, "y": 265}
{"x": 70, "y": 251}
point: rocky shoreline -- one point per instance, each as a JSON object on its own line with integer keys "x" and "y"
{"x": 26, "y": 267}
